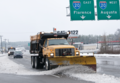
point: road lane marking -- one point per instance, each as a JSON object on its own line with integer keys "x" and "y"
{"x": 55, "y": 76}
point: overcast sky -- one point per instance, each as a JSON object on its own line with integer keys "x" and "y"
{"x": 19, "y": 19}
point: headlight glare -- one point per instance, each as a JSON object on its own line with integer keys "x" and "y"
{"x": 51, "y": 54}
{"x": 77, "y": 53}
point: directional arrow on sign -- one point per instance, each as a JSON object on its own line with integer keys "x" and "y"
{"x": 108, "y": 16}
{"x": 82, "y": 16}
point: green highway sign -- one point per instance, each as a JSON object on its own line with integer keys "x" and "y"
{"x": 108, "y": 9}
{"x": 28, "y": 44}
{"x": 82, "y": 10}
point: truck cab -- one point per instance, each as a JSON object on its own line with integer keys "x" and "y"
{"x": 47, "y": 46}
{"x": 54, "y": 47}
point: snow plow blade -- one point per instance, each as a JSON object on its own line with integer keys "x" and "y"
{"x": 89, "y": 61}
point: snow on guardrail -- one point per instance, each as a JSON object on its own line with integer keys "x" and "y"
{"x": 107, "y": 55}
{"x": 86, "y": 54}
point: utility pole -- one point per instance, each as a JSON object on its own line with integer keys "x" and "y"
{"x": 5, "y": 45}
{"x": 1, "y": 44}
{"x": 97, "y": 42}
{"x": 7, "y": 42}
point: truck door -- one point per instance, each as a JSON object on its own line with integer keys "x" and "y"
{"x": 45, "y": 48}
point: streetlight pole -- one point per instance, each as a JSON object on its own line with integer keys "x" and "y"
{"x": 1, "y": 44}
{"x": 5, "y": 45}
{"x": 7, "y": 42}
{"x": 97, "y": 42}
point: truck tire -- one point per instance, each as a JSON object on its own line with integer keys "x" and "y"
{"x": 36, "y": 62}
{"x": 33, "y": 61}
{"x": 47, "y": 64}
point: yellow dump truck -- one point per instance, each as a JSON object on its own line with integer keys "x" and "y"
{"x": 49, "y": 50}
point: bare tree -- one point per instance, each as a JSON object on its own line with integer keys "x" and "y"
{"x": 103, "y": 48}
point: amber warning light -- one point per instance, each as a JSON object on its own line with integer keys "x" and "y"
{"x": 54, "y": 29}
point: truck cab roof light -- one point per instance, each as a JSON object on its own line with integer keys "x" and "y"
{"x": 68, "y": 32}
{"x": 41, "y": 32}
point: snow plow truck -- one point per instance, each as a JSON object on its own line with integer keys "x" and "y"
{"x": 49, "y": 50}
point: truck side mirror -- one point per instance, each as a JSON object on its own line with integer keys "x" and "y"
{"x": 41, "y": 46}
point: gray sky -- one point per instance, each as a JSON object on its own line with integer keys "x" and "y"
{"x": 21, "y": 18}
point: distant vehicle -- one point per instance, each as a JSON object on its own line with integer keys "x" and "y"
{"x": 78, "y": 45}
{"x": 11, "y": 51}
{"x": 18, "y": 54}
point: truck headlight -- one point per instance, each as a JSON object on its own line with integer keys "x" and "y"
{"x": 51, "y": 54}
{"x": 68, "y": 32}
{"x": 77, "y": 53}
{"x": 41, "y": 32}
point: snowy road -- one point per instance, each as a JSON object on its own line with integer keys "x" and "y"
{"x": 10, "y": 78}
{"x": 108, "y": 65}
{"x": 25, "y": 74}
{"x": 108, "y": 71}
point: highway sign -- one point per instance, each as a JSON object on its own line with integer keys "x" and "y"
{"x": 108, "y": 9}
{"x": 82, "y": 10}
{"x": 28, "y": 44}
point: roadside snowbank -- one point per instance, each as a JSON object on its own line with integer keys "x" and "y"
{"x": 2, "y": 55}
{"x": 88, "y": 75}
{"x": 97, "y": 78}
{"x": 8, "y": 66}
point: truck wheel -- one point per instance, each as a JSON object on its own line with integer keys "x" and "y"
{"x": 47, "y": 64}
{"x": 33, "y": 61}
{"x": 36, "y": 62}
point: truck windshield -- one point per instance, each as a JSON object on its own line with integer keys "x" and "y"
{"x": 58, "y": 42}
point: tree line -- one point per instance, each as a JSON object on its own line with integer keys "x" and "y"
{"x": 88, "y": 39}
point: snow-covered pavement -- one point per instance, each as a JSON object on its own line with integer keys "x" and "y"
{"x": 94, "y": 77}
{"x": 2, "y": 55}
{"x": 76, "y": 71}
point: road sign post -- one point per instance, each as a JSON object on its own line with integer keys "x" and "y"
{"x": 28, "y": 44}
{"x": 82, "y": 10}
{"x": 108, "y": 9}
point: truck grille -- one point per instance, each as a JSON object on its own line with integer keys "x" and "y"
{"x": 65, "y": 52}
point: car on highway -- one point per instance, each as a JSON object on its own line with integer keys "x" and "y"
{"x": 18, "y": 54}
